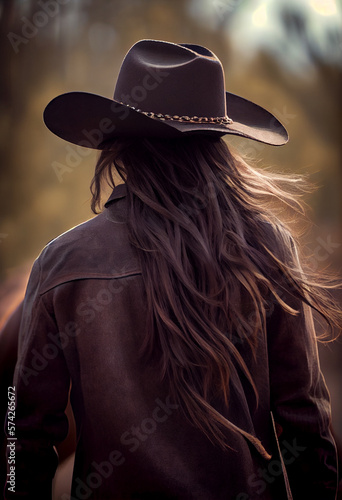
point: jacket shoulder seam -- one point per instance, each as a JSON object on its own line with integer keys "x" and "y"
{"x": 89, "y": 276}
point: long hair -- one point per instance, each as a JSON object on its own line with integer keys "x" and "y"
{"x": 214, "y": 253}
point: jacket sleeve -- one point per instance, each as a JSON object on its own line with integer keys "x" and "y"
{"x": 41, "y": 386}
{"x": 301, "y": 404}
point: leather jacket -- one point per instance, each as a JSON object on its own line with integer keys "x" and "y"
{"x": 83, "y": 316}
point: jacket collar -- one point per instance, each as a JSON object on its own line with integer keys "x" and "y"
{"x": 119, "y": 191}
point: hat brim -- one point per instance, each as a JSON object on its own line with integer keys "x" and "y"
{"x": 90, "y": 120}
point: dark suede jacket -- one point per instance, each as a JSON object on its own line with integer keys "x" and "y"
{"x": 82, "y": 322}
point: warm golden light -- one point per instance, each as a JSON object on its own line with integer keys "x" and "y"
{"x": 324, "y": 7}
{"x": 259, "y": 17}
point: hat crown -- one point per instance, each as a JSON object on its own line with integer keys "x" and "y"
{"x": 164, "y": 90}
{"x": 172, "y": 79}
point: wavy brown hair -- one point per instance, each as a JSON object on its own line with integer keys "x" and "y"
{"x": 214, "y": 252}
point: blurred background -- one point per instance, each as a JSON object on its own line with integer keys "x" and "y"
{"x": 286, "y": 55}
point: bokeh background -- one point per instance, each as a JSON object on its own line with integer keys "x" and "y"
{"x": 285, "y": 55}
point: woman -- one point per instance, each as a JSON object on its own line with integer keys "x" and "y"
{"x": 180, "y": 313}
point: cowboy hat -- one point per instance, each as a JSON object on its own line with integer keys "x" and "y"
{"x": 163, "y": 90}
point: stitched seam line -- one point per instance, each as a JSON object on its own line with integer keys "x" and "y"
{"x": 88, "y": 276}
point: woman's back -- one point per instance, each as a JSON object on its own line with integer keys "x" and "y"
{"x": 182, "y": 318}
{"x": 133, "y": 440}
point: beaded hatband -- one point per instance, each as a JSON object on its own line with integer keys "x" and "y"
{"x": 188, "y": 119}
